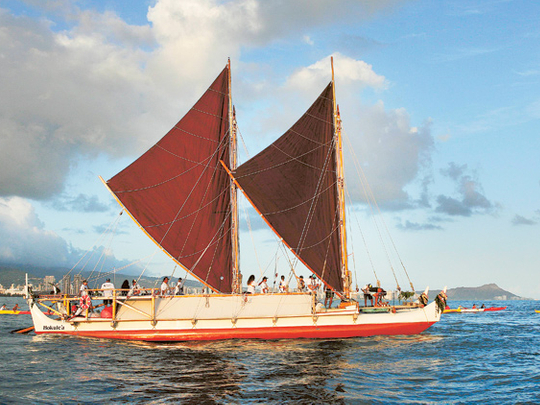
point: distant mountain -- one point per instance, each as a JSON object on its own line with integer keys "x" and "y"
{"x": 15, "y": 274}
{"x": 486, "y": 292}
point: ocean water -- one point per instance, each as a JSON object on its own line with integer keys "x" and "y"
{"x": 465, "y": 358}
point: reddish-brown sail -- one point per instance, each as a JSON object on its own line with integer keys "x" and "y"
{"x": 180, "y": 194}
{"x": 292, "y": 183}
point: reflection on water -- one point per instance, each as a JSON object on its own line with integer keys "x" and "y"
{"x": 465, "y": 358}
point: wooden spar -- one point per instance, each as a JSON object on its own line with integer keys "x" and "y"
{"x": 152, "y": 239}
{"x": 341, "y": 190}
{"x": 272, "y": 228}
{"x": 233, "y": 159}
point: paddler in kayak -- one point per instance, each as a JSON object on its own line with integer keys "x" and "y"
{"x": 3, "y": 308}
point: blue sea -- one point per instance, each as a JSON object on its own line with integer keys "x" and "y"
{"x": 464, "y": 359}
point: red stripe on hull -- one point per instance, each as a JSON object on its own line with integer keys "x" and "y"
{"x": 291, "y": 332}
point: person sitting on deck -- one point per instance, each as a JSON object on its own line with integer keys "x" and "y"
{"x": 367, "y": 295}
{"x": 264, "y": 285}
{"x": 251, "y": 285}
{"x": 135, "y": 289}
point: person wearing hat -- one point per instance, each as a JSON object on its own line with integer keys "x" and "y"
{"x": 107, "y": 288}
{"x": 264, "y": 285}
{"x": 135, "y": 289}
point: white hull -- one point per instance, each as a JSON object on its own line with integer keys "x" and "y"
{"x": 215, "y": 317}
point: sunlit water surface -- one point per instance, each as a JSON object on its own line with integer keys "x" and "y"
{"x": 465, "y": 358}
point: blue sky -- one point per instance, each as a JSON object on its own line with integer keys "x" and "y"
{"x": 440, "y": 102}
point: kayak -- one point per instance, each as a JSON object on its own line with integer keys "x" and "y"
{"x": 537, "y": 310}
{"x": 494, "y": 309}
{"x": 473, "y": 310}
{"x": 12, "y": 312}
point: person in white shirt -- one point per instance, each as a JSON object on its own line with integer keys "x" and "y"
{"x": 107, "y": 288}
{"x": 165, "y": 289}
{"x": 83, "y": 291}
{"x": 179, "y": 289}
{"x": 135, "y": 289}
{"x": 264, "y": 285}
{"x": 313, "y": 284}
{"x": 251, "y": 285}
{"x": 283, "y": 286}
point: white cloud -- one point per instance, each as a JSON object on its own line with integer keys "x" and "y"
{"x": 24, "y": 239}
{"x": 351, "y": 71}
{"x": 391, "y": 152}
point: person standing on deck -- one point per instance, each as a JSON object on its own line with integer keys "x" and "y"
{"x": 83, "y": 291}
{"x": 107, "y": 288}
{"x": 164, "y": 290}
{"x": 313, "y": 284}
{"x": 329, "y": 296}
{"x": 283, "y": 286}
{"x": 179, "y": 289}
{"x": 301, "y": 284}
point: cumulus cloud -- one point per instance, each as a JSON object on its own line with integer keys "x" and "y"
{"x": 469, "y": 197}
{"x": 65, "y": 95}
{"x": 25, "y": 240}
{"x": 317, "y": 75}
{"x": 392, "y": 152}
{"x": 101, "y": 85}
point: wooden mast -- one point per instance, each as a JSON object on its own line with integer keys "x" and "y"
{"x": 341, "y": 191}
{"x": 236, "y": 281}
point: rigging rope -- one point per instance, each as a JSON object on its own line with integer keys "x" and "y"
{"x": 370, "y": 197}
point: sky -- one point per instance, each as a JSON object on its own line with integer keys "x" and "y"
{"x": 440, "y": 103}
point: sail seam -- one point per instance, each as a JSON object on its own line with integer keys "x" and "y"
{"x": 292, "y": 159}
{"x": 190, "y": 214}
{"x": 195, "y": 135}
{"x": 302, "y": 203}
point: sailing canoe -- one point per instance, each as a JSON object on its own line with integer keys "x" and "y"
{"x": 182, "y": 194}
